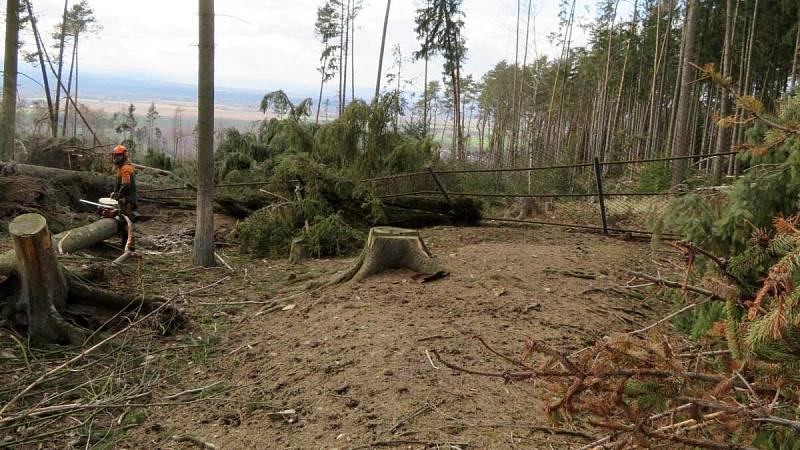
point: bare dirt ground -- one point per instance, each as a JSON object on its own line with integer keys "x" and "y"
{"x": 353, "y": 367}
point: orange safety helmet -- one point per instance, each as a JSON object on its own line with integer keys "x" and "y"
{"x": 120, "y": 155}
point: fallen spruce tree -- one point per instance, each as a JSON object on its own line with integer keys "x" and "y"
{"x": 37, "y": 289}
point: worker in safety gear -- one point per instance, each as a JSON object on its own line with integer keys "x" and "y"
{"x": 125, "y": 191}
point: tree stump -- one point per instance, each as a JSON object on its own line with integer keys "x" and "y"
{"x": 299, "y": 252}
{"x": 389, "y": 248}
{"x": 43, "y": 287}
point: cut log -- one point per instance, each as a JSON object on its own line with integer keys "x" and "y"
{"x": 43, "y": 288}
{"x": 390, "y": 248}
{"x": 96, "y": 181}
{"x": 68, "y": 242}
{"x": 299, "y": 252}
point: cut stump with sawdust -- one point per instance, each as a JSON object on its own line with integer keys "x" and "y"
{"x": 389, "y": 248}
{"x": 42, "y": 289}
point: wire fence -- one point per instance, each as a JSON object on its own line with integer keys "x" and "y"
{"x": 618, "y": 196}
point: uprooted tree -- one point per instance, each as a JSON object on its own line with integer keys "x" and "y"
{"x": 38, "y": 289}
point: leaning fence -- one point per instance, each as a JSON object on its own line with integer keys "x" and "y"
{"x": 609, "y": 196}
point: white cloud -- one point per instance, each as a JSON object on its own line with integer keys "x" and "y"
{"x": 271, "y": 44}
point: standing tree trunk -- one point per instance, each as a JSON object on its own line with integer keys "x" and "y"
{"x": 45, "y": 78}
{"x": 682, "y": 119}
{"x": 342, "y": 86}
{"x": 63, "y": 40}
{"x": 512, "y": 153}
{"x": 353, "y": 52}
{"x": 69, "y": 84}
{"x": 796, "y": 55}
{"x": 346, "y": 55}
{"x": 383, "y": 49}
{"x": 204, "y": 234}
{"x": 321, "y": 87}
{"x": 425, "y": 100}
{"x": 724, "y": 139}
{"x": 75, "y": 96}
{"x": 10, "y": 67}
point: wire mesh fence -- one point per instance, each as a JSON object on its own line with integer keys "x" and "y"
{"x": 619, "y": 196}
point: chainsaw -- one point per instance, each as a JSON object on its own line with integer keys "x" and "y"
{"x": 106, "y": 207}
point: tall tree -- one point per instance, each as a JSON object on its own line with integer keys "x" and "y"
{"x": 724, "y": 138}
{"x": 796, "y": 56}
{"x": 383, "y": 49}
{"x": 10, "y": 67}
{"x": 152, "y": 121}
{"x": 204, "y": 233}
{"x": 327, "y": 30}
{"x": 439, "y": 26}
{"x": 679, "y": 147}
{"x": 61, "y": 36}
{"x": 81, "y": 21}
{"x": 39, "y": 56}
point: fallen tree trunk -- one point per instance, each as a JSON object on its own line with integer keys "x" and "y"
{"x": 45, "y": 288}
{"x": 68, "y": 242}
{"x": 91, "y": 180}
{"x": 389, "y": 248}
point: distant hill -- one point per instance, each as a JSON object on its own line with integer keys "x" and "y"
{"x": 145, "y": 89}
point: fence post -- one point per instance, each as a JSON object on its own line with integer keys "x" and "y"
{"x": 440, "y": 185}
{"x": 598, "y": 174}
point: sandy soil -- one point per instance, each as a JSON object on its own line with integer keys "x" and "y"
{"x": 352, "y": 366}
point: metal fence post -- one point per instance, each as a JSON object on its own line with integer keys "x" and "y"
{"x": 440, "y": 185}
{"x": 598, "y": 173}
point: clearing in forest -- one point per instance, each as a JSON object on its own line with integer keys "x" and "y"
{"x": 353, "y": 366}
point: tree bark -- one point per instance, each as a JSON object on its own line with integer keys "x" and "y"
{"x": 724, "y": 139}
{"x": 682, "y": 120}
{"x": 383, "y": 49}
{"x": 10, "y": 68}
{"x": 204, "y": 235}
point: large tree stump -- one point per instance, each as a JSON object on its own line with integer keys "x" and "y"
{"x": 389, "y": 248}
{"x": 43, "y": 287}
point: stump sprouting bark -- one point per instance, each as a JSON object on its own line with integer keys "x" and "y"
{"x": 389, "y": 248}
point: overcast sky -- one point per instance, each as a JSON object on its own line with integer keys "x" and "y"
{"x": 270, "y": 44}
